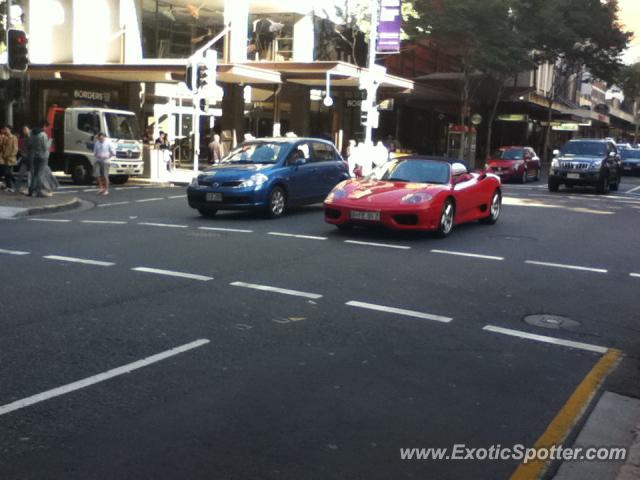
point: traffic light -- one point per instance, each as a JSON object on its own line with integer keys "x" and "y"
{"x": 203, "y": 77}
{"x": 364, "y": 116}
{"x": 17, "y": 51}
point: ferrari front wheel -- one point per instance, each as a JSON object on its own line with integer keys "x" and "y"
{"x": 446, "y": 219}
{"x": 494, "y": 209}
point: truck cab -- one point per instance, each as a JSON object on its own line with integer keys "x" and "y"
{"x": 74, "y": 132}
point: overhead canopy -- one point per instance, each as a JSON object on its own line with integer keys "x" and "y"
{"x": 166, "y": 72}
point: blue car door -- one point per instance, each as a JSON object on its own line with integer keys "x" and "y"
{"x": 302, "y": 173}
{"x": 326, "y": 160}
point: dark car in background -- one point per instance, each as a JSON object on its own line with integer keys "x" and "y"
{"x": 630, "y": 161}
{"x": 269, "y": 174}
{"x": 515, "y": 163}
{"x": 584, "y": 162}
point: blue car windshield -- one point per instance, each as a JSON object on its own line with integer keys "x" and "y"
{"x": 630, "y": 153}
{"x": 254, "y": 153}
{"x": 417, "y": 171}
{"x": 588, "y": 149}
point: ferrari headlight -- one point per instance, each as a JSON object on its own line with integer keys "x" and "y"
{"x": 256, "y": 181}
{"x": 416, "y": 198}
{"x": 336, "y": 194}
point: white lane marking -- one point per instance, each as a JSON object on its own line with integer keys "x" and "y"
{"x": 400, "y": 311}
{"x": 633, "y": 189}
{"x": 50, "y": 220}
{"x": 171, "y": 273}
{"x": 371, "y": 244}
{"x": 634, "y": 275}
{"x": 568, "y": 267}
{"x": 166, "y": 225}
{"x": 104, "y": 222}
{"x": 284, "y": 291}
{"x": 177, "y": 196}
{"x": 220, "y": 229}
{"x": 91, "y": 190}
{"x": 464, "y": 254}
{"x": 79, "y": 260}
{"x": 101, "y": 377}
{"x": 291, "y": 235}
{"x": 149, "y": 200}
{"x": 112, "y": 204}
{"x": 13, "y": 252}
{"x": 127, "y": 188}
{"x": 545, "y": 339}
{"x": 67, "y": 191}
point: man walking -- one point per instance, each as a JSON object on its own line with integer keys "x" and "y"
{"x": 8, "y": 156}
{"x": 104, "y": 152}
{"x": 37, "y": 147}
{"x": 215, "y": 150}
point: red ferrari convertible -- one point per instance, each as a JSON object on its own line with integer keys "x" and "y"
{"x": 417, "y": 193}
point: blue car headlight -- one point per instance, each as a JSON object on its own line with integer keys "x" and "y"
{"x": 416, "y": 198}
{"x": 194, "y": 182}
{"x": 256, "y": 181}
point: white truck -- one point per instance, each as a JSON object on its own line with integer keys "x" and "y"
{"x": 74, "y": 130}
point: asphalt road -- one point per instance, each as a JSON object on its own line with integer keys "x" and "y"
{"x": 258, "y": 349}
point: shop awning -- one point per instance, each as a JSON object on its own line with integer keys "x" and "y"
{"x": 313, "y": 74}
{"x": 154, "y": 72}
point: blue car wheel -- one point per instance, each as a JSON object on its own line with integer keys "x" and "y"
{"x": 277, "y": 202}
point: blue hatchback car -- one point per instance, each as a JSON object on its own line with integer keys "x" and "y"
{"x": 269, "y": 174}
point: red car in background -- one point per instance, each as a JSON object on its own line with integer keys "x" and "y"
{"x": 416, "y": 193}
{"x": 515, "y": 163}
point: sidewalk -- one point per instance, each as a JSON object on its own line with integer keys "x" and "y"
{"x": 13, "y": 205}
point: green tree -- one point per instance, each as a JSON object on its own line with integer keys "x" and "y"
{"x": 572, "y": 35}
{"x": 484, "y": 36}
{"x": 629, "y": 81}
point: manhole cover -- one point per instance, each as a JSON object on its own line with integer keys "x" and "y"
{"x": 554, "y": 322}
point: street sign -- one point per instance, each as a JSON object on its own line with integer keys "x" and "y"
{"x": 389, "y": 26}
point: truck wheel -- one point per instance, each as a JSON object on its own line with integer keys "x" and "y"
{"x": 81, "y": 172}
{"x": 119, "y": 179}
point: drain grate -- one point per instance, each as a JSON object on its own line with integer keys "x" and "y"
{"x": 554, "y": 322}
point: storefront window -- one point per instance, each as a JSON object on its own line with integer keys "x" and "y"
{"x": 271, "y": 37}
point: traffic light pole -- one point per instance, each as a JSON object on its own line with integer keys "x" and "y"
{"x": 372, "y": 87}
{"x": 8, "y": 107}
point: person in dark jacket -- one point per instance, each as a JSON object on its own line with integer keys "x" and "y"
{"x": 37, "y": 147}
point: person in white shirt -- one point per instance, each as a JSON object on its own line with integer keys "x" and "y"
{"x": 104, "y": 152}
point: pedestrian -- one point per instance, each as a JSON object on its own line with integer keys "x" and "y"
{"x": 37, "y": 148}
{"x": 104, "y": 152}
{"x": 8, "y": 156}
{"x": 164, "y": 145}
{"x": 25, "y": 162}
{"x": 215, "y": 150}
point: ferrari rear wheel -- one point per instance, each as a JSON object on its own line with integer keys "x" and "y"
{"x": 494, "y": 209}
{"x": 446, "y": 219}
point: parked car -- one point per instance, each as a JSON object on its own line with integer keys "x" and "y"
{"x": 417, "y": 193}
{"x": 623, "y": 146}
{"x": 515, "y": 163}
{"x": 585, "y": 162}
{"x": 269, "y": 174}
{"x": 630, "y": 161}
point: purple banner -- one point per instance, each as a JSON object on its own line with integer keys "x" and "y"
{"x": 389, "y": 26}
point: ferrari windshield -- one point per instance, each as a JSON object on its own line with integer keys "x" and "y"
{"x": 588, "y": 149}
{"x": 259, "y": 152}
{"x": 417, "y": 171}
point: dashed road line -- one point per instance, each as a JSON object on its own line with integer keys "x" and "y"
{"x": 101, "y": 377}
{"x": 284, "y": 291}
{"x": 171, "y": 273}
{"x": 634, "y": 275}
{"x": 144, "y": 200}
{"x": 173, "y": 197}
{"x": 399, "y": 311}
{"x": 543, "y": 338}
{"x": 165, "y": 225}
{"x": 220, "y": 229}
{"x": 79, "y": 260}
{"x": 91, "y": 190}
{"x": 567, "y": 267}
{"x": 104, "y": 222}
{"x": 49, "y": 220}
{"x": 633, "y": 189}
{"x": 13, "y": 252}
{"x": 372, "y": 244}
{"x": 465, "y": 254}
{"x": 292, "y": 235}
{"x": 127, "y": 188}
{"x": 102, "y": 205}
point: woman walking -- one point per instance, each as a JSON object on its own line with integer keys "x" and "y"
{"x": 37, "y": 147}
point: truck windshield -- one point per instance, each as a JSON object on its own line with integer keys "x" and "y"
{"x": 121, "y": 126}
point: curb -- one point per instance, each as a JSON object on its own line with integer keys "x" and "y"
{"x": 72, "y": 204}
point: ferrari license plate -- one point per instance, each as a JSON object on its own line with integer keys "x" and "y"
{"x": 573, "y": 176}
{"x": 214, "y": 197}
{"x": 369, "y": 216}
